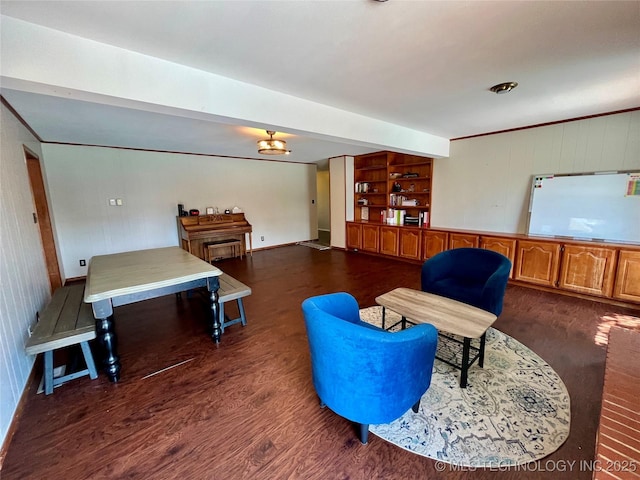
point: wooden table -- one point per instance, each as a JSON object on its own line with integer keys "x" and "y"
{"x": 446, "y": 315}
{"x": 123, "y": 278}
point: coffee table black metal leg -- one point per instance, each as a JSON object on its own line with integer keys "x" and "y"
{"x": 383, "y": 312}
{"x": 465, "y": 362}
{"x": 483, "y": 340}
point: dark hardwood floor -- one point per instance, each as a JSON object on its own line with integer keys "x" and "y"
{"x": 246, "y": 408}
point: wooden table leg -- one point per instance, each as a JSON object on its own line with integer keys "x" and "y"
{"x": 106, "y": 333}
{"x": 213, "y": 284}
{"x": 107, "y": 338}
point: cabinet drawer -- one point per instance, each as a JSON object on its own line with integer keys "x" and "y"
{"x": 463, "y": 240}
{"x": 537, "y": 262}
{"x": 433, "y": 242}
{"x": 504, "y": 246}
{"x": 627, "y": 284}
{"x": 588, "y": 270}
{"x": 409, "y": 244}
{"x": 389, "y": 240}
{"x": 370, "y": 236}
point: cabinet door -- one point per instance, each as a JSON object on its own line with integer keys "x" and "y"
{"x": 588, "y": 270}
{"x": 537, "y": 262}
{"x": 627, "y": 284}
{"x": 463, "y": 240}
{"x": 389, "y": 240}
{"x": 370, "y": 236}
{"x": 354, "y": 236}
{"x": 410, "y": 243}
{"x": 433, "y": 242}
{"x": 505, "y": 246}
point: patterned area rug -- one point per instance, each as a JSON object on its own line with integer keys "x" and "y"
{"x": 317, "y": 246}
{"x": 515, "y": 410}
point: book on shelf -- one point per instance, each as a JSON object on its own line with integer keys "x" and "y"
{"x": 396, "y": 200}
{"x": 395, "y": 216}
{"x": 424, "y": 219}
{"x": 364, "y": 213}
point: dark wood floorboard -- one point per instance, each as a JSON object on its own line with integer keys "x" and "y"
{"x": 247, "y": 409}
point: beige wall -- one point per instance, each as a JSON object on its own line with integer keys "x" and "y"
{"x": 24, "y": 283}
{"x": 275, "y": 197}
{"x": 486, "y": 182}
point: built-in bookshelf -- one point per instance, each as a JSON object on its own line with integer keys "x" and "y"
{"x": 393, "y": 188}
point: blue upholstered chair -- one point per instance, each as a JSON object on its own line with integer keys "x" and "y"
{"x": 474, "y": 276}
{"x": 361, "y": 372}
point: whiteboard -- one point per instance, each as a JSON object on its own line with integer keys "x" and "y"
{"x": 597, "y": 206}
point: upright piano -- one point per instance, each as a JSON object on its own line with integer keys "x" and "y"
{"x": 195, "y": 231}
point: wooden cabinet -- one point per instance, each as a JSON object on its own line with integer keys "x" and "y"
{"x": 463, "y": 240}
{"x": 354, "y": 236}
{"x": 410, "y": 186}
{"x": 409, "y": 243}
{"x": 537, "y": 262}
{"x": 370, "y": 176}
{"x": 627, "y": 282}
{"x": 370, "y": 238}
{"x": 389, "y": 240}
{"x": 504, "y": 246}
{"x": 587, "y": 269}
{"x": 434, "y": 242}
{"x": 592, "y": 269}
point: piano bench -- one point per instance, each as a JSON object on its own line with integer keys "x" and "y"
{"x": 211, "y": 247}
{"x": 231, "y": 289}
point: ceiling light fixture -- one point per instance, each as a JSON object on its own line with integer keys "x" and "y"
{"x": 503, "y": 87}
{"x": 270, "y": 146}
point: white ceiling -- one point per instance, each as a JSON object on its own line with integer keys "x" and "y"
{"x": 420, "y": 65}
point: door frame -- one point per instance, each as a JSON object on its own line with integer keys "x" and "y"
{"x": 42, "y": 218}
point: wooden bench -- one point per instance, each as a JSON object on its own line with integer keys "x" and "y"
{"x": 65, "y": 321}
{"x": 210, "y": 248}
{"x": 231, "y": 289}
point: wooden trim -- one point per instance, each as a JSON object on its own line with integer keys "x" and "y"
{"x": 43, "y": 217}
{"x": 546, "y": 124}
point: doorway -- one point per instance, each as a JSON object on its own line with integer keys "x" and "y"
{"x": 42, "y": 218}
{"x": 324, "y": 205}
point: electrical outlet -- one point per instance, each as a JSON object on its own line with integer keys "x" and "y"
{"x": 112, "y": 202}
{"x": 119, "y": 202}
{"x": 83, "y": 263}
{"x": 262, "y": 238}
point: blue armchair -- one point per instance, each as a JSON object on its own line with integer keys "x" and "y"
{"x": 361, "y": 372}
{"x": 474, "y": 276}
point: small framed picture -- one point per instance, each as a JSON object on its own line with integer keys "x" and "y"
{"x": 209, "y": 210}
